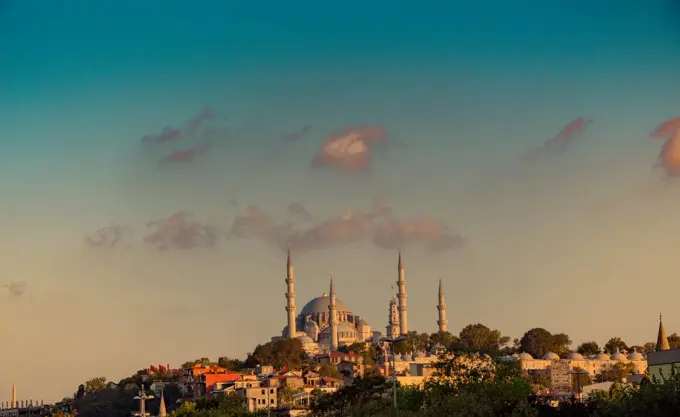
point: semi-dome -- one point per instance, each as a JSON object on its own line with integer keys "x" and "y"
{"x": 601, "y": 356}
{"x": 344, "y": 331}
{"x": 618, "y": 356}
{"x": 550, "y": 356}
{"x": 525, "y": 357}
{"x": 322, "y": 304}
{"x": 305, "y": 339}
{"x": 635, "y": 356}
{"x": 575, "y": 356}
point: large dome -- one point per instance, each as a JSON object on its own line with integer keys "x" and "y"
{"x": 321, "y": 304}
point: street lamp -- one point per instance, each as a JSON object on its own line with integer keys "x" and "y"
{"x": 578, "y": 379}
{"x": 394, "y": 365}
{"x": 142, "y": 397}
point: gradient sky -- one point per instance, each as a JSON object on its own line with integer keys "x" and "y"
{"x": 584, "y": 243}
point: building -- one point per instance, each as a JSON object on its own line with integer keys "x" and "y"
{"x": 259, "y": 398}
{"x": 662, "y": 361}
{"x": 559, "y": 369}
{"x": 325, "y": 322}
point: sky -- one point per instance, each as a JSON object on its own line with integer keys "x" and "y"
{"x": 581, "y": 241}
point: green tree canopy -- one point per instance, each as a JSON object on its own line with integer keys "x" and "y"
{"x": 588, "y": 348}
{"x": 615, "y": 343}
{"x": 478, "y": 337}
{"x": 538, "y": 341}
{"x": 286, "y": 353}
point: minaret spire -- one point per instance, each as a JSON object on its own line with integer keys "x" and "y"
{"x": 290, "y": 296}
{"x": 14, "y": 395}
{"x": 333, "y": 319}
{"x": 442, "y": 322}
{"x": 401, "y": 282}
{"x": 661, "y": 339}
{"x": 162, "y": 412}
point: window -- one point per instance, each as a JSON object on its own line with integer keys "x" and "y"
{"x": 262, "y": 392}
{"x": 271, "y": 391}
{"x": 272, "y": 401}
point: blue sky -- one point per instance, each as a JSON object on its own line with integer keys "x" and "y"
{"x": 468, "y": 86}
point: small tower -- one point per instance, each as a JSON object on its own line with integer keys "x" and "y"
{"x": 442, "y": 322}
{"x": 162, "y": 412}
{"x": 14, "y": 395}
{"x": 661, "y": 339}
{"x": 401, "y": 282}
{"x": 290, "y": 296}
{"x": 333, "y": 319}
{"x": 393, "y": 328}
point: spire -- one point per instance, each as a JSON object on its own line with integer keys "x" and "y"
{"x": 333, "y": 319}
{"x": 14, "y": 395}
{"x": 290, "y": 296}
{"x": 162, "y": 412}
{"x": 441, "y": 306}
{"x": 401, "y": 283}
{"x": 661, "y": 339}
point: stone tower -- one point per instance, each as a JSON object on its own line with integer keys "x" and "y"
{"x": 333, "y": 319}
{"x": 162, "y": 412}
{"x": 661, "y": 339}
{"x": 401, "y": 282}
{"x": 442, "y": 309}
{"x": 393, "y": 328}
{"x": 290, "y": 296}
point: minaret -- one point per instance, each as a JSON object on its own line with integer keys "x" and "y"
{"x": 290, "y": 296}
{"x": 403, "y": 321}
{"x": 333, "y": 319}
{"x": 661, "y": 339}
{"x": 14, "y": 395}
{"x": 393, "y": 320}
{"x": 162, "y": 412}
{"x": 442, "y": 309}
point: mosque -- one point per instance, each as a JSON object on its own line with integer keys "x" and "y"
{"x": 325, "y": 322}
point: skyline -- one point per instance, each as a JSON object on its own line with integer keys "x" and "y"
{"x": 568, "y": 243}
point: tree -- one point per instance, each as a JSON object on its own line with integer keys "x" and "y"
{"x": 674, "y": 341}
{"x": 588, "y": 348}
{"x": 478, "y": 337}
{"x": 648, "y": 347}
{"x": 231, "y": 364}
{"x": 367, "y": 352}
{"x": 615, "y": 343}
{"x": 445, "y": 339}
{"x": 95, "y": 384}
{"x": 538, "y": 342}
{"x": 329, "y": 370}
{"x": 414, "y": 342}
{"x": 616, "y": 373}
{"x": 284, "y": 353}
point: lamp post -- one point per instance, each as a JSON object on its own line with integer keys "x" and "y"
{"x": 142, "y": 397}
{"x": 578, "y": 379}
{"x": 394, "y": 365}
